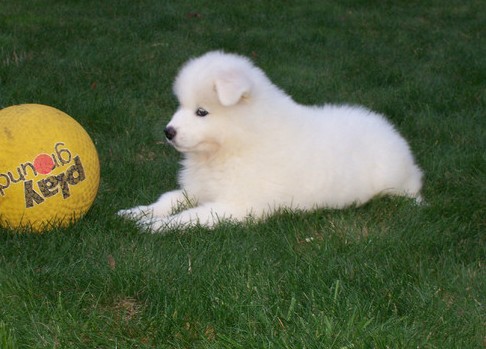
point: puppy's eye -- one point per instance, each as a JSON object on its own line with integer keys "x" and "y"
{"x": 201, "y": 112}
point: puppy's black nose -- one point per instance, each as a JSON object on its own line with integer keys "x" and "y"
{"x": 170, "y": 132}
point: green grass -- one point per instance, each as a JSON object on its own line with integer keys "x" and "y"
{"x": 386, "y": 275}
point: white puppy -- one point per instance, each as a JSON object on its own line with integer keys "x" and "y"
{"x": 249, "y": 150}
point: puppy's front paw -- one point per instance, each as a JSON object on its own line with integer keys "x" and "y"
{"x": 160, "y": 225}
{"x": 137, "y": 213}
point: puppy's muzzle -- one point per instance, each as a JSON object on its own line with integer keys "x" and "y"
{"x": 170, "y": 132}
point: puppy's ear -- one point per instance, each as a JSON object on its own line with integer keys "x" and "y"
{"x": 231, "y": 87}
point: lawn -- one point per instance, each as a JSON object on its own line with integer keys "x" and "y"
{"x": 390, "y": 274}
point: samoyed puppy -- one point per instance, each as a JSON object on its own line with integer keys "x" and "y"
{"x": 249, "y": 150}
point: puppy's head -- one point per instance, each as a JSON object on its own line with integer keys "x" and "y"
{"x": 213, "y": 91}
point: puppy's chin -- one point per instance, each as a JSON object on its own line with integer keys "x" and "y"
{"x": 206, "y": 147}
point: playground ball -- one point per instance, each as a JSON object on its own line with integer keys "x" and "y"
{"x": 49, "y": 168}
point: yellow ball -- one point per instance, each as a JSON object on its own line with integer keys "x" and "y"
{"x": 49, "y": 168}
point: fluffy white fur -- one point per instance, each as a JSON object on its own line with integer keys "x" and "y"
{"x": 257, "y": 150}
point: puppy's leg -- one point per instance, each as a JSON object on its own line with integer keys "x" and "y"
{"x": 163, "y": 207}
{"x": 206, "y": 215}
